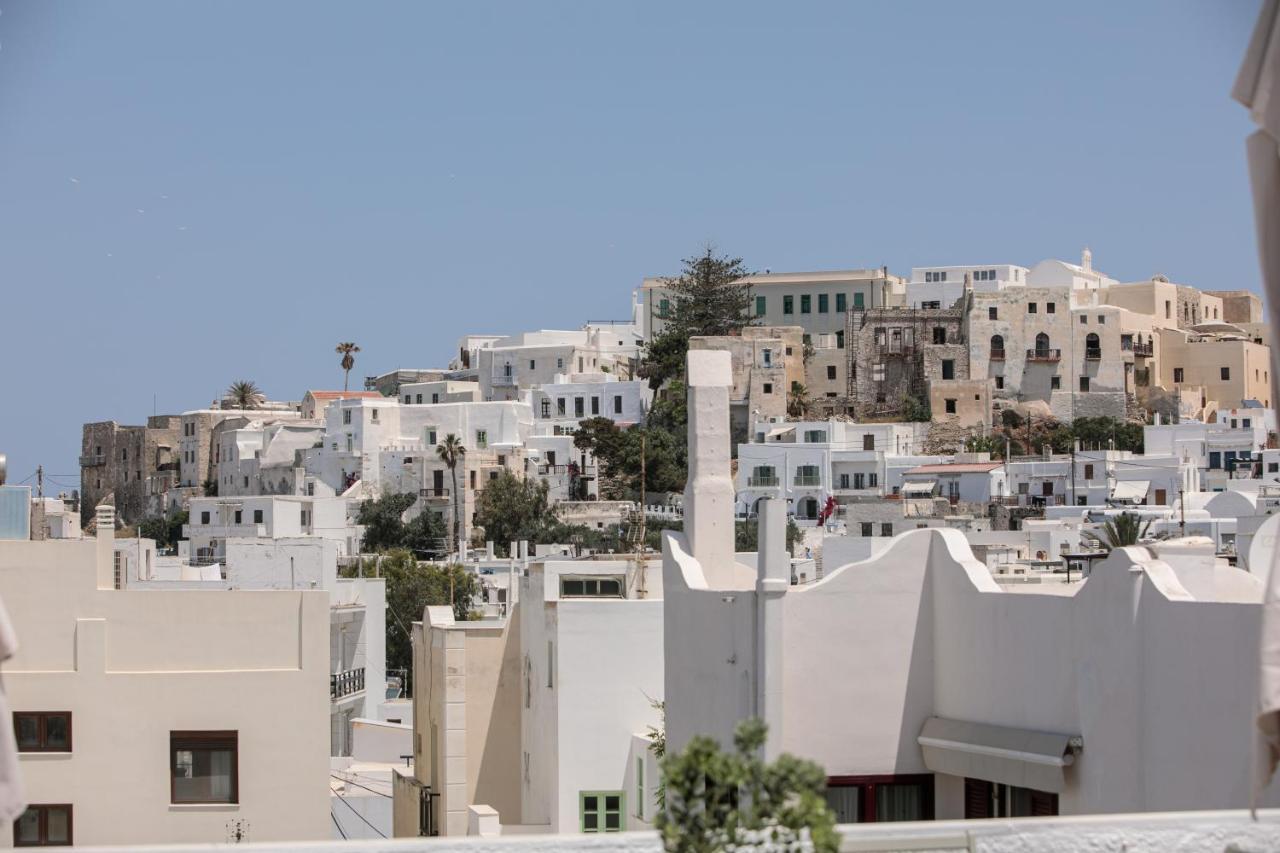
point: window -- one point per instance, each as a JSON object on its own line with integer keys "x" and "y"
{"x": 948, "y": 368}
{"x": 984, "y": 799}
{"x": 806, "y": 303}
{"x": 992, "y": 313}
{"x": 950, "y": 406}
{"x": 531, "y": 364}
{"x": 1102, "y": 319}
{"x": 595, "y": 405}
{"x": 578, "y": 407}
{"x": 842, "y": 303}
{"x": 1088, "y": 471}
{"x": 560, "y": 406}
{"x": 1084, "y": 320}
{"x": 1168, "y": 310}
{"x": 204, "y": 767}
{"x": 868, "y": 528}
{"x": 431, "y": 436}
{"x": 886, "y": 528}
{"x": 482, "y": 438}
{"x": 1177, "y": 374}
{"x": 873, "y": 480}
{"x": 664, "y": 309}
{"x": 257, "y": 516}
{"x": 840, "y": 339}
{"x": 617, "y": 404}
{"x": 1031, "y": 308}
{"x": 858, "y": 300}
{"x": 822, "y": 303}
{"x": 933, "y": 305}
{"x": 238, "y": 515}
{"x": 375, "y": 416}
{"x": 407, "y": 398}
{"x": 571, "y": 587}
{"x": 1084, "y": 383}
{"x": 831, "y": 371}
{"x": 601, "y": 811}
{"x": 546, "y": 407}
{"x": 760, "y": 303}
{"x": 1050, "y": 307}
{"x": 43, "y": 826}
{"x": 1225, "y": 373}
{"x": 560, "y": 361}
{"x": 346, "y": 416}
{"x": 1055, "y": 383}
{"x": 768, "y": 388}
{"x": 640, "y": 787}
{"x": 869, "y": 799}
{"x": 815, "y": 436}
{"x": 204, "y": 518}
{"x": 43, "y": 731}
{"x": 788, "y": 304}
{"x": 868, "y": 441}
{"x": 124, "y": 454}
{"x": 999, "y": 383}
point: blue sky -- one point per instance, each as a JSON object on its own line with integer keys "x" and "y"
{"x": 196, "y": 193}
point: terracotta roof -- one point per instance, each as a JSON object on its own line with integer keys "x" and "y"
{"x": 955, "y": 468}
{"x": 336, "y": 395}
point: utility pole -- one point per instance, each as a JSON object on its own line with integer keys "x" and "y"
{"x": 1182, "y": 512}
{"x": 39, "y": 481}
{"x": 1073, "y": 472}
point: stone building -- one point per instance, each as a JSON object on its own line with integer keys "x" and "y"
{"x": 766, "y": 360}
{"x": 893, "y": 354}
{"x": 128, "y": 466}
{"x": 1240, "y": 306}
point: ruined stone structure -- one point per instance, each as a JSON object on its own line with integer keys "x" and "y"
{"x": 893, "y": 354}
{"x": 131, "y": 466}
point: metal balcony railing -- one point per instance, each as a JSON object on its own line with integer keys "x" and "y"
{"x": 1093, "y": 354}
{"x": 92, "y": 460}
{"x": 808, "y": 480}
{"x": 1044, "y": 355}
{"x": 997, "y": 355}
{"x": 1144, "y": 350}
{"x": 345, "y": 683}
{"x": 762, "y": 480}
{"x": 504, "y": 379}
{"x": 434, "y": 492}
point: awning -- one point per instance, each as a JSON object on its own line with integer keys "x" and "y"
{"x": 777, "y": 431}
{"x": 1131, "y": 490}
{"x": 919, "y": 488}
{"x": 1021, "y": 757}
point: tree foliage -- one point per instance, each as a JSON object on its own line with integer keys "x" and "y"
{"x": 746, "y": 536}
{"x": 412, "y": 586}
{"x": 716, "y": 800}
{"x": 662, "y": 442}
{"x": 1124, "y": 530}
{"x": 348, "y": 350}
{"x": 1098, "y": 433}
{"x": 916, "y": 409}
{"x": 511, "y": 509}
{"x": 244, "y": 394}
{"x": 385, "y": 528}
{"x": 166, "y": 530}
{"x": 707, "y": 298}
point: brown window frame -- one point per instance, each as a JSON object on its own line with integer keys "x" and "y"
{"x": 44, "y": 826}
{"x": 867, "y": 786}
{"x": 41, "y": 718}
{"x": 193, "y": 740}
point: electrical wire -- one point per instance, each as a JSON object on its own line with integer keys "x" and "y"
{"x": 356, "y": 813}
{"x": 358, "y": 785}
{"x": 338, "y": 825}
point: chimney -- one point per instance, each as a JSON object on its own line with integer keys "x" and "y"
{"x": 105, "y": 546}
{"x": 709, "y": 493}
{"x": 773, "y": 578}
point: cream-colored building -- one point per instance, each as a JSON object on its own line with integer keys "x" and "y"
{"x": 766, "y": 361}
{"x": 1228, "y": 367}
{"x": 162, "y": 716}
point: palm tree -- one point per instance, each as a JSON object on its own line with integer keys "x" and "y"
{"x": 347, "y": 349}
{"x": 451, "y": 452}
{"x": 244, "y": 394}
{"x": 797, "y": 400}
{"x": 1123, "y": 530}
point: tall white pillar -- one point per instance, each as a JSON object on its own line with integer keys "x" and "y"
{"x": 773, "y": 577}
{"x": 708, "y": 493}
{"x": 105, "y": 516}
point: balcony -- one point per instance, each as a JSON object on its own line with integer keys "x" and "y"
{"x": 434, "y": 492}
{"x": 762, "y": 481}
{"x": 93, "y": 460}
{"x": 345, "y": 683}
{"x": 808, "y": 480}
{"x": 503, "y": 379}
{"x": 552, "y": 470}
{"x": 224, "y": 531}
{"x": 1093, "y": 354}
{"x": 1146, "y": 350}
{"x": 1044, "y": 355}
{"x": 997, "y": 355}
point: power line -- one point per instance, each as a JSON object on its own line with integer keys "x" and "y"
{"x": 358, "y": 785}
{"x": 356, "y": 813}
{"x": 338, "y": 825}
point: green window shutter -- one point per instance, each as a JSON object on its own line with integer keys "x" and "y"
{"x": 822, "y": 303}
{"x": 664, "y": 308}
{"x": 806, "y": 304}
{"x": 788, "y": 304}
{"x": 840, "y": 303}
{"x": 857, "y": 300}
{"x": 760, "y": 301}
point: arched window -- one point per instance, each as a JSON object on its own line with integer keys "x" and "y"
{"x": 997, "y": 346}
{"x": 1092, "y": 346}
{"x": 1042, "y": 343}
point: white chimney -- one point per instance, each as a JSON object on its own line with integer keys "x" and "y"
{"x": 708, "y": 493}
{"x": 105, "y": 546}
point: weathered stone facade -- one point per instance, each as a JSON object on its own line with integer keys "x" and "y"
{"x": 131, "y": 465}
{"x": 893, "y": 354}
{"x": 766, "y": 360}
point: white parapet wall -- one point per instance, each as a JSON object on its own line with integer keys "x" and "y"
{"x": 1171, "y": 832}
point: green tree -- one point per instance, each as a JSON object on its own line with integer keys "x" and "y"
{"x": 412, "y": 586}
{"x": 707, "y": 298}
{"x": 916, "y": 409}
{"x": 511, "y": 509}
{"x": 985, "y": 444}
{"x": 716, "y": 800}
{"x": 348, "y": 350}
{"x": 244, "y": 394}
{"x": 385, "y": 528}
{"x": 1123, "y": 530}
{"x": 166, "y": 530}
{"x": 746, "y": 535}
{"x": 797, "y": 400}
{"x": 1100, "y": 432}
{"x": 451, "y": 452}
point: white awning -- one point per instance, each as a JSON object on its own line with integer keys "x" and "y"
{"x": 1131, "y": 490}
{"x": 1021, "y": 757}
{"x": 924, "y": 487}
{"x": 777, "y": 431}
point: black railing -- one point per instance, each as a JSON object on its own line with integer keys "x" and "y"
{"x": 434, "y": 492}
{"x": 1093, "y": 354}
{"x": 1144, "y": 350}
{"x": 345, "y": 683}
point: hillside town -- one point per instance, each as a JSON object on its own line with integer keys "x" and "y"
{"x": 981, "y": 541}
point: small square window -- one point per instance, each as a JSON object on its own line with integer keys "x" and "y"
{"x": 1084, "y": 383}
{"x": 886, "y": 528}
{"x": 1178, "y": 374}
{"x": 1050, "y": 307}
{"x": 257, "y": 516}
{"x": 831, "y": 371}
{"x": 1225, "y": 373}
{"x": 203, "y": 767}
{"x": 1102, "y": 319}
{"x": 1055, "y": 382}
{"x": 951, "y": 406}
{"x": 1031, "y": 308}
{"x": 1084, "y": 319}
{"x": 204, "y": 518}
{"x": 999, "y": 382}
{"x": 993, "y": 313}
{"x": 768, "y": 388}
